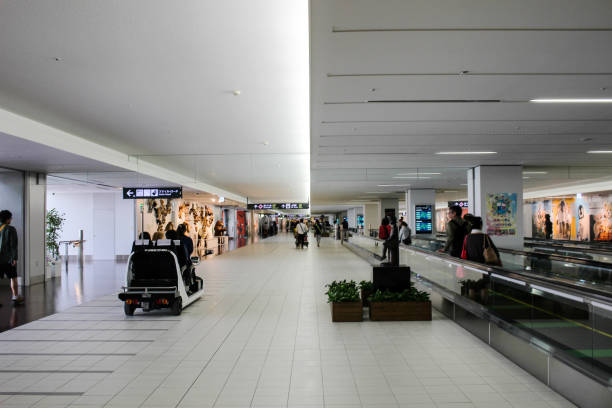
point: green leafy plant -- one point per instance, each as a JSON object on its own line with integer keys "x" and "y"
{"x": 408, "y": 295}
{"x": 55, "y": 223}
{"x": 342, "y": 291}
{"x": 366, "y": 286}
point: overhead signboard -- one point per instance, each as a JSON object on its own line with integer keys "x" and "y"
{"x": 134, "y": 193}
{"x": 278, "y": 206}
{"x": 462, "y": 204}
{"x": 423, "y": 219}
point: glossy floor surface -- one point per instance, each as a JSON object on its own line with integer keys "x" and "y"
{"x": 262, "y": 336}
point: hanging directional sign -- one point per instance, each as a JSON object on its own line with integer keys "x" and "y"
{"x": 278, "y": 206}
{"x": 134, "y": 193}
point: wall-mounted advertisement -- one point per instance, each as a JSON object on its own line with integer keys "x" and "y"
{"x": 423, "y": 219}
{"x": 600, "y": 217}
{"x": 563, "y": 218}
{"x": 538, "y": 217}
{"x": 501, "y": 214}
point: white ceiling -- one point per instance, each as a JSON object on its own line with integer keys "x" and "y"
{"x": 386, "y": 80}
{"x": 155, "y": 79}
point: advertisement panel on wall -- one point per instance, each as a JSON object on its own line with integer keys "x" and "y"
{"x": 538, "y": 217}
{"x": 563, "y": 218}
{"x": 600, "y": 217}
{"x": 501, "y": 214}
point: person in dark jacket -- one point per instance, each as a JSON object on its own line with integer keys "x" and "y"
{"x": 548, "y": 226}
{"x": 8, "y": 253}
{"x": 392, "y": 241}
{"x": 476, "y": 242}
{"x": 185, "y": 239}
{"x": 456, "y": 230}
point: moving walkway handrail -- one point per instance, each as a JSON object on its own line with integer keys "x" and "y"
{"x": 557, "y": 286}
{"x": 552, "y": 256}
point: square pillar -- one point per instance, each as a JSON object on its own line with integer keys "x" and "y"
{"x": 33, "y": 240}
{"x": 495, "y": 193}
{"x": 420, "y": 197}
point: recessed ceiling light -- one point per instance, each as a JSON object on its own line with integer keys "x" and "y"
{"x": 376, "y": 192}
{"x": 451, "y": 191}
{"x": 237, "y": 92}
{"x": 464, "y": 184}
{"x": 411, "y": 177}
{"x": 535, "y": 172}
{"x": 418, "y": 174}
{"x": 573, "y": 100}
{"x": 526, "y": 177}
{"x": 466, "y": 153}
{"x": 393, "y": 185}
{"x": 600, "y": 151}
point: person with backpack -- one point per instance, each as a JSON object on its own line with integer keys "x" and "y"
{"x": 478, "y": 246}
{"x": 405, "y": 234}
{"x": 383, "y": 233}
{"x": 8, "y": 253}
{"x": 301, "y": 230}
{"x": 456, "y": 230}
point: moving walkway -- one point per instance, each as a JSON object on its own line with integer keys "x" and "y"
{"x": 543, "y": 316}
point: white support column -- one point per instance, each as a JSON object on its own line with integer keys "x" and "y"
{"x": 371, "y": 217}
{"x": 33, "y": 240}
{"x": 420, "y": 197}
{"x": 495, "y": 193}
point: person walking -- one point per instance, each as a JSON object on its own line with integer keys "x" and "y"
{"x": 383, "y": 234}
{"x": 405, "y": 234}
{"x": 479, "y": 247}
{"x": 8, "y": 253}
{"x": 548, "y": 226}
{"x": 392, "y": 242}
{"x": 456, "y": 230}
{"x": 318, "y": 231}
{"x": 301, "y": 230}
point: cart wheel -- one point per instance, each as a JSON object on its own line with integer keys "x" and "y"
{"x": 177, "y": 306}
{"x": 129, "y": 309}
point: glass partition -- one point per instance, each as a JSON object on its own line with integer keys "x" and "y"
{"x": 563, "y": 321}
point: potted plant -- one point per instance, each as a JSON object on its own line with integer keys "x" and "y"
{"x": 411, "y": 304}
{"x": 367, "y": 287}
{"x": 345, "y": 302}
{"x": 54, "y": 225}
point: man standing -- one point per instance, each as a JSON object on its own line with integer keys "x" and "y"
{"x": 318, "y": 231}
{"x": 456, "y": 230}
{"x": 8, "y": 253}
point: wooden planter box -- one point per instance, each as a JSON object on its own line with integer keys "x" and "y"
{"x": 347, "y": 312}
{"x": 365, "y": 294}
{"x": 400, "y": 311}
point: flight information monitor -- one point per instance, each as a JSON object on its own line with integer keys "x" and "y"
{"x": 423, "y": 219}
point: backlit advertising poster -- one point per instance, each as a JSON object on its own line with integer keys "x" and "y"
{"x": 600, "y": 220}
{"x": 538, "y": 217}
{"x": 583, "y": 224}
{"x": 501, "y": 214}
{"x": 564, "y": 219}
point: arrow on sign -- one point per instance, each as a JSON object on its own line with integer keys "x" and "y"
{"x": 130, "y": 193}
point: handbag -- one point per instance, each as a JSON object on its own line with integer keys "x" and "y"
{"x": 488, "y": 253}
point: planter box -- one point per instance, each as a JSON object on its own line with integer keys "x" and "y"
{"x": 365, "y": 294}
{"x": 347, "y": 312}
{"x": 395, "y": 311}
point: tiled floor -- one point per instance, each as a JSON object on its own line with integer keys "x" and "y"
{"x": 262, "y": 337}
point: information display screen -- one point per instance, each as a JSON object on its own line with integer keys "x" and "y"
{"x": 133, "y": 193}
{"x": 423, "y": 219}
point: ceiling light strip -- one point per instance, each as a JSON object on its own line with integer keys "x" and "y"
{"x": 602, "y": 306}
{"x": 465, "y": 153}
{"x": 572, "y": 100}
